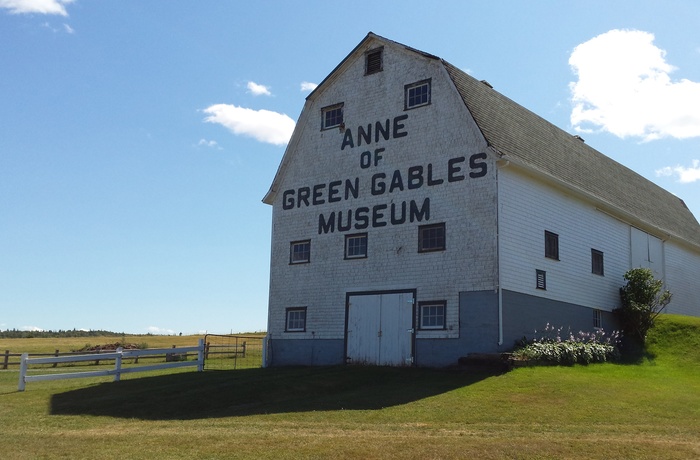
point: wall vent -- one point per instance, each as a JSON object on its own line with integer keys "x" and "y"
{"x": 374, "y": 61}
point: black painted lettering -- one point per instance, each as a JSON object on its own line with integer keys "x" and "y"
{"x": 361, "y": 218}
{"x": 378, "y": 128}
{"x": 346, "y": 227}
{"x": 432, "y": 181}
{"x": 398, "y": 219}
{"x": 333, "y": 191}
{"x": 396, "y": 182}
{"x": 398, "y": 126}
{"x": 479, "y": 168}
{"x": 326, "y": 226}
{"x": 377, "y": 155}
{"x": 352, "y": 189}
{"x": 288, "y": 199}
{"x": 365, "y": 159}
{"x": 422, "y": 213}
{"x": 361, "y": 134}
{"x": 303, "y": 196}
{"x": 378, "y": 215}
{"x": 453, "y": 169}
{"x": 317, "y": 197}
{"x": 415, "y": 177}
{"x": 378, "y": 185}
{"x": 347, "y": 139}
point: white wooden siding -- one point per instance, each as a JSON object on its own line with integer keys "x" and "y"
{"x": 436, "y": 132}
{"x": 528, "y": 207}
{"x": 682, "y": 279}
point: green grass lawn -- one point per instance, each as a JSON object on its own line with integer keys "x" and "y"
{"x": 649, "y": 410}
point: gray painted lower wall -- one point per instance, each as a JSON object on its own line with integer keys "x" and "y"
{"x": 287, "y": 352}
{"x": 523, "y": 314}
{"x": 478, "y": 331}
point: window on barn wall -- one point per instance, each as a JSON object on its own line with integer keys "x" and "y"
{"x": 356, "y": 246}
{"x": 551, "y": 245}
{"x": 296, "y": 320}
{"x": 417, "y": 94}
{"x": 541, "y": 280}
{"x": 597, "y": 318}
{"x": 374, "y": 61}
{"x": 332, "y": 116}
{"x": 431, "y": 238}
{"x": 597, "y": 262}
{"x": 432, "y": 314}
{"x": 300, "y": 252}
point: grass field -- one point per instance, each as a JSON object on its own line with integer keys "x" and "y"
{"x": 649, "y": 410}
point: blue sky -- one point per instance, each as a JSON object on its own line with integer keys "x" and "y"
{"x": 137, "y": 139}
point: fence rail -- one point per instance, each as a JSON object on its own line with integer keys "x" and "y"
{"x": 117, "y": 356}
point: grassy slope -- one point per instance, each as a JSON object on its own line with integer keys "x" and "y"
{"x": 650, "y": 410}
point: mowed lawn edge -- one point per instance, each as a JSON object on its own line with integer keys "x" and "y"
{"x": 646, "y": 410}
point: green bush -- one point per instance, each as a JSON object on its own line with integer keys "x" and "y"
{"x": 643, "y": 299}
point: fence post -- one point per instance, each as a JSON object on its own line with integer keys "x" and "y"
{"x": 200, "y": 356}
{"x": 6, "y": 360}
{"x": 118, "y": 365}
{"x": 22, "y": 371}
{"x": 56, "y": 355}
{"x": 244, "y": 348}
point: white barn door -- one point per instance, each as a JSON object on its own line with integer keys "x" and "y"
{"x": 380, "y": 329}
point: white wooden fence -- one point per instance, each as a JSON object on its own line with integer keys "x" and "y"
{"x": 117, "y": 356}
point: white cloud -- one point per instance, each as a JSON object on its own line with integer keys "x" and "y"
{"x": 159, "y": 330}
{"x": 308, "y": 86}
{"x": 624, "y": 87}
{"x": 206, "y": 143}
{"x": 262, "y": 125}
{"x": 68, "y": 29}
{"x": 31, "y": 328}
{"x": 36, "y": 6}
{"x": 258, "y": 90}
{"x": 685, "y": 175}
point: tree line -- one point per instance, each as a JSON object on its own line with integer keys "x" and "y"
{"x": 19, "y": 334}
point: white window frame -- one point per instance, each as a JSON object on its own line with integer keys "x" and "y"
{"x": 432, "y": 304}
{"x": 324, "y": 116}
{"x": 295, "y": 315}
{"x": 293, "y": 260}
{"x": 413, "y": 87}
{"x": 349, "y": 239}
{"x": 597, "y": 318}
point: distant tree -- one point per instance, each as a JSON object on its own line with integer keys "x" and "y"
{"x": 643, "y": 299}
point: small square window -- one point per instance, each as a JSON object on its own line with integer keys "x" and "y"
{"x": 597, "y": 262}
{"x": 332, "y": 116}
{"x": 356, "y": 246}
{"x": 542, "y": 280}
{"x": 432, "y": 314}
{"x": 374, "y": 61}
{"x": 431, "y": 238}
{"x": 300, "y": 252}
{"x": 296, "y": 320}
{"x": 417, "y": 94}
{"x": 551, "y": 245}
{"x": 597, "y": 318}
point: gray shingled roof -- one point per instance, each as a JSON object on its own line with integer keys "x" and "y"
{"x": 526, "y": 138}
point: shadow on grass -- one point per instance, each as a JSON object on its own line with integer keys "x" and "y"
{"x": 211, "y": 394}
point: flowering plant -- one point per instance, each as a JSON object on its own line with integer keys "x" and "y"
{"x": 552, "y": 346}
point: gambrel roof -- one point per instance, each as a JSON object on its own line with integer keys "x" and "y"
{"x": 518, "y": 135}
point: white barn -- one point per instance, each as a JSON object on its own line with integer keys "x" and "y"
{"x": 419, "y": 216}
